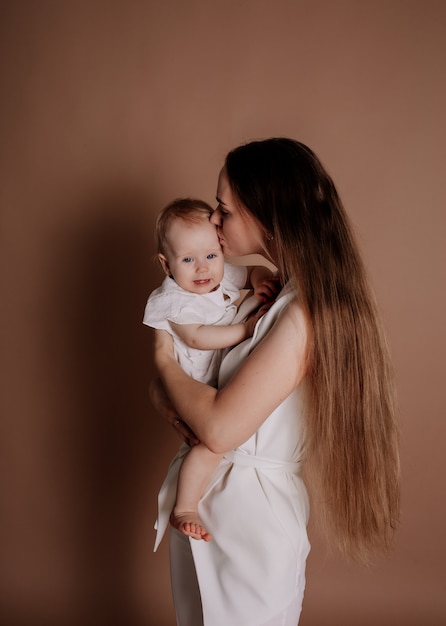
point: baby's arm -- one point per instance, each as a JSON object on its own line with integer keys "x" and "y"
{"x": 198, "y": 466}
{"x": 266, "y": 286}
{"x": 208, "y": 337}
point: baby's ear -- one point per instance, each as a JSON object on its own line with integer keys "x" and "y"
{"x": 164, "y": 264}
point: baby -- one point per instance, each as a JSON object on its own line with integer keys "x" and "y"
{"x": 196, "y": 303}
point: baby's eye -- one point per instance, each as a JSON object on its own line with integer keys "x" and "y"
{"x": 187, "y": 259}
{"x": 212, "y": 255}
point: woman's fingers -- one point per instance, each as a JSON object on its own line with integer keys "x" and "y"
{"x": 161, "y": 401}
{"x": 185, "y": 432}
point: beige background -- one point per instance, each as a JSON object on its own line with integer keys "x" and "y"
{"x": 110, "y": 109}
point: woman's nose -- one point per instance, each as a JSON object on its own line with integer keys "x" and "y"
{"x": 215, "y": 218}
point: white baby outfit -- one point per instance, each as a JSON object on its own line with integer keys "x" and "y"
{"x": 171, "y": 303}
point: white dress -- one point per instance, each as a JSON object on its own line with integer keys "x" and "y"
{"x": 256, "y": 508}
{"x": 171, "y": 303}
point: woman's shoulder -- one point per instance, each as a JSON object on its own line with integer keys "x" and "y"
{"x": 283, "y": 324}
{"x": 294, "y": 314}
{"x": 286, "y": 302}
{"x": 285, "y": 311}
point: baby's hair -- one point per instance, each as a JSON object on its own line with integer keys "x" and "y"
{"x": 190, "y": 210}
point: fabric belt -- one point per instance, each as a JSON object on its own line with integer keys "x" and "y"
{"x": 261, "y": 462}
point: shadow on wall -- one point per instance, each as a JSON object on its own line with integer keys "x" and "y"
{"x": 105, "y": 444}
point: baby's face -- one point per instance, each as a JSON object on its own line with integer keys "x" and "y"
{"x": 194, "y": 256}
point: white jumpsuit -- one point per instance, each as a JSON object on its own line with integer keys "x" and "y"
{"x": 253, "y": 571}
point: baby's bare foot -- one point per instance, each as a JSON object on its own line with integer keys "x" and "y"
{"x": 189, "y": 523}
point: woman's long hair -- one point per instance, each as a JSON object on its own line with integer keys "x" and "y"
{"x": 352, "y": 434}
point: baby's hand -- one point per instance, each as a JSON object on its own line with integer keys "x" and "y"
{"x": 255, "y": 316}
{"x": 268, "y": 288}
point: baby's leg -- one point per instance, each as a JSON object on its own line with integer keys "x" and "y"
{"x": 197, "y": 468}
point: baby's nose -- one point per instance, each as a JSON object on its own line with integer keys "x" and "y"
{"x": 202, "y": 265}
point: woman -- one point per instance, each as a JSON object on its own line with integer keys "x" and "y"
{"x": 313, "y": 384}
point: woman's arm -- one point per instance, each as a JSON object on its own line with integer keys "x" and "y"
{"x": 223, "y": 419}
{"x": 164, "y": 406}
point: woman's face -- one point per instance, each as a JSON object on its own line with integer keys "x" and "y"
{"x": 238, "y": 232}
